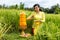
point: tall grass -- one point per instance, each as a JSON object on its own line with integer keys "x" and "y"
{"x": 49, "y": 31}
{"x": 10, "y": 17}
{"x": 3, "y": 29}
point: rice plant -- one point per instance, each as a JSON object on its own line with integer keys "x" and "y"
{"x": 9, "y": 19}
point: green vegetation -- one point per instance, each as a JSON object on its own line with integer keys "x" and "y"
{"x": 49, "y": 31}
{"x": 55, "y": 9}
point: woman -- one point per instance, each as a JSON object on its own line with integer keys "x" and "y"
{"x": 39, "y": 18}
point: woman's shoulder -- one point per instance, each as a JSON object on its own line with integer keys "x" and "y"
{"x": 42, "y": 12}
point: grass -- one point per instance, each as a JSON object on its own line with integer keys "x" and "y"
{"x": 49, "y": 31}
{"x": 3, "y": 30}
{"x": 15, "y": 36}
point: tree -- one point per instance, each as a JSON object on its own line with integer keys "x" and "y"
{"x": 12, "y": 7}
{"x": 0, "y": 6}
{"x": 16, "y": 6}
{"x": 21, "y": 5}
{"x": 57, "y": 9}
{"x": 3, "y": 5}
{"x": 46, "y": 10}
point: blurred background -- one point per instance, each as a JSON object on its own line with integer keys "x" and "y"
{"x": 49, "y": 6}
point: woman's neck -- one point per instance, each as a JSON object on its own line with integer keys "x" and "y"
{"x": 37, "y": 12}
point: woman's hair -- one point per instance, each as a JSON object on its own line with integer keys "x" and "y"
{"x": 38, "y": 6}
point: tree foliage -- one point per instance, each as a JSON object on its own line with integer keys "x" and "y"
{"x": 54, "y": 9}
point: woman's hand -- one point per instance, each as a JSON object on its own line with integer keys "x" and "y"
{"x": 37, "y": 20}
{"x": 29, "y": 18}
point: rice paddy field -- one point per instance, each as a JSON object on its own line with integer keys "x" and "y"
{"x": 9, "y": 26}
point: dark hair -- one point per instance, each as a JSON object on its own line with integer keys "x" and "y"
{"x": 38, "y": 6}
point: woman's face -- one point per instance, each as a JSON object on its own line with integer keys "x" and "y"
{"x": 36, "y": 8}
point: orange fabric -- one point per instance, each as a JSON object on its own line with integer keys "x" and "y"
{"x": 22, "y": 22}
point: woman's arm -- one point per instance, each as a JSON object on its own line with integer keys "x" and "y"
{"x": 43, "y": 17}
{"x": 30, "y": 17}
{"x": 41, "y": 20}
